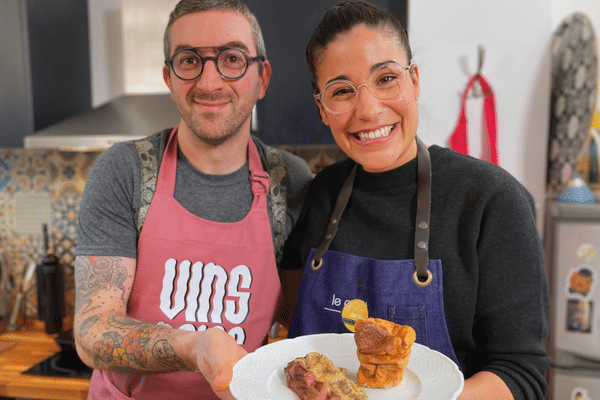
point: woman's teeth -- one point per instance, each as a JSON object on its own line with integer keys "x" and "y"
{"x": 381, "y": 132}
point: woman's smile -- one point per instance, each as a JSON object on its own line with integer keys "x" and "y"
{"x": 378, "y": 133}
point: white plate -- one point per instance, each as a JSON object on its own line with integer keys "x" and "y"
{"x": 260, "y": 376}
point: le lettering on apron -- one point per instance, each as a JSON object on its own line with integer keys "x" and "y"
{"x": 459, "y": 141}
{"x": 339, "y": 288}
{"x": 194, "y": 274}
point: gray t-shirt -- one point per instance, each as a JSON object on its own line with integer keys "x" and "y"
{"x": 111, "y": 200}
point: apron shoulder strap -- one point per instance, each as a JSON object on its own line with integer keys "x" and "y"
{"x": 274, "y": 163}
{"x": 148, "y": 177}
{"x": 422, "y": 275}
{"x": 338, "y": 210}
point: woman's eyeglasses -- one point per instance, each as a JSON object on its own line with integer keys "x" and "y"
{"x": 385, "y": 83}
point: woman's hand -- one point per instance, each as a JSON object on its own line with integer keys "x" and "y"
{"x": 485, "y": 385}
{"x": 217, "y": 352}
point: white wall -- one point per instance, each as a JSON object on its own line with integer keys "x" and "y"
{"x": 106, "y": 50}
{"x": 144, "y": 23}
{"x": 126, "y": 53}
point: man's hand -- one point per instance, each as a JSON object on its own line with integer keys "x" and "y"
{"x": 217, "y": 354}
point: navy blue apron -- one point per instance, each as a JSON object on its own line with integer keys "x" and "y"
{"x": 407, "y": 292}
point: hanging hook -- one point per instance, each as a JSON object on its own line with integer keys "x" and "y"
{"x": 480, "y": 57}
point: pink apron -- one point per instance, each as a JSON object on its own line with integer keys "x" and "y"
{"x": 195, "y": 274}
{"x": 458, "y": 140}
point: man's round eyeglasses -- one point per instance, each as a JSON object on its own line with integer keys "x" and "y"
{"x": 232, "y": 63}
{"x": 385, "y": 83}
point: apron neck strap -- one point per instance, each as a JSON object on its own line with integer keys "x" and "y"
{"x": 422, "y": 275}
{"x": 167, "y": 170}
{"x": 259, "y": 178}
{"x": 332, "y": 229}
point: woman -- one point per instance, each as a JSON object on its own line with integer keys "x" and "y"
{"x": 377, "y": 228}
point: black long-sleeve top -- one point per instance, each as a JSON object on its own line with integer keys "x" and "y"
{"x": 482, "y": 229}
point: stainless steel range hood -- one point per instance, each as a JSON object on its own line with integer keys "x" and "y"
{"x": 125, "y": 118}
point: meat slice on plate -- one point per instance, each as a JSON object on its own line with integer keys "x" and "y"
{"x": 315, "y": 377}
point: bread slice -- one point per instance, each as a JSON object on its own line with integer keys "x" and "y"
{"x": 383, "y": 349}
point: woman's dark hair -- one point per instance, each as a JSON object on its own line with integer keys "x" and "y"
{"x": 343, "y": 18}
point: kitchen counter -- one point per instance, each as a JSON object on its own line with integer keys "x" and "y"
{"x": 21, "y": 350}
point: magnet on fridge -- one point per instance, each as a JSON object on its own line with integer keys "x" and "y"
{"x": 580, "y": 282}
{"x": 580, "y": 394}
{"x": 587, "y": 252}
{"x": 579, "y": 316}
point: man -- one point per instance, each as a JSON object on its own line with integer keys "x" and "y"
{"x": 163, "y": 312}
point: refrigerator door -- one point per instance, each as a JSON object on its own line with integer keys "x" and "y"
{"x": 576, "y": 293}
{"x": 575, "y": 384}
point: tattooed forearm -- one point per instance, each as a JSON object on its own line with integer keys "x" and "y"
{"x": 164, "y": 353}
{"x": 125, "y": 351}
{"x": 87, "y": 324}
{"x": 93, "y": 274}
{"x": 126, "y": 347}
{"x": 106, "y": 337}
{"x": 123, "y": 322}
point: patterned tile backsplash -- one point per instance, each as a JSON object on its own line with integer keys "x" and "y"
{"x": 44, "y": 187}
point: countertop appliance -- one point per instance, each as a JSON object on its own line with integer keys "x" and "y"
{"x": 573, "y": 264}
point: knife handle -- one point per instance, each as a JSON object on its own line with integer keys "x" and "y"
{"x": 12, "y": 322}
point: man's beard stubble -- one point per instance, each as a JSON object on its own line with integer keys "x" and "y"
{"x": 228, "y": 127}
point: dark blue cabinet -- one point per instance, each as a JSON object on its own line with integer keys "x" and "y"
{"x": 45, "y": 66}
